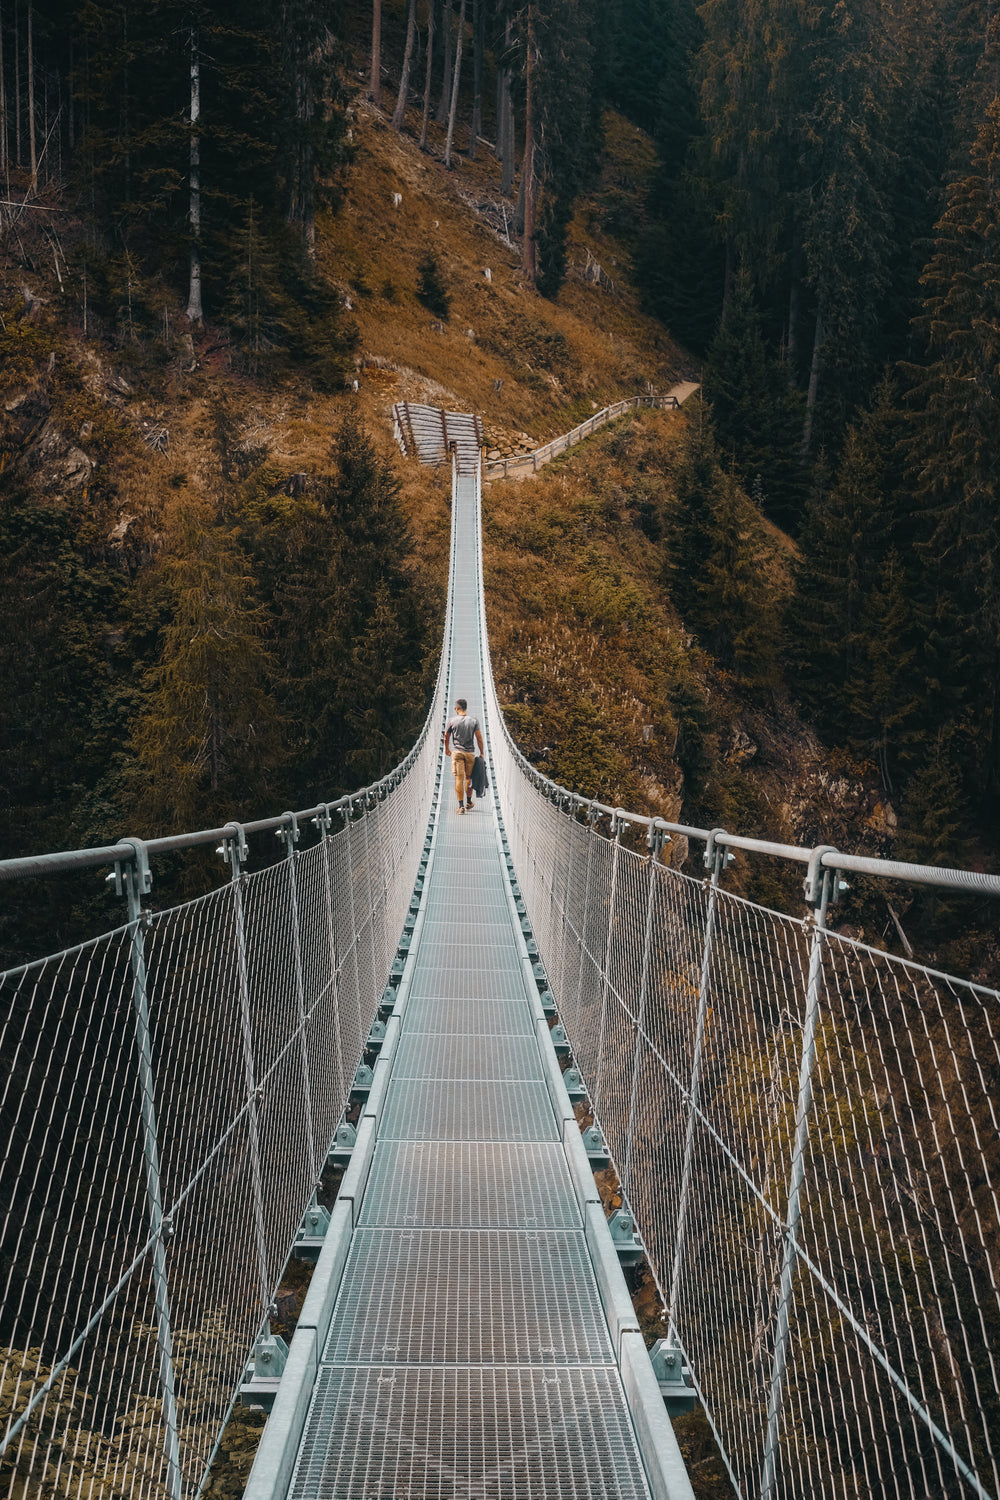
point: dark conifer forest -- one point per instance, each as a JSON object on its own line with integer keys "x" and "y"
{"x": 820, "y": 236}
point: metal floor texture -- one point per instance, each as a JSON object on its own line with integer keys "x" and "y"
{"x": 467, "y": 1328}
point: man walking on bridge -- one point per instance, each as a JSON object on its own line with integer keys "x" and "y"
{"x": 466, "y": 733}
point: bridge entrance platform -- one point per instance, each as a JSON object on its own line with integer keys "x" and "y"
{"x": 468, "y": 1332}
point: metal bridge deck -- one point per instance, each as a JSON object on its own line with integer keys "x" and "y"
{"x": 475, "y": 1345}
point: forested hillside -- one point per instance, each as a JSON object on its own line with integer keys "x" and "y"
{"x": 232, "y": 235}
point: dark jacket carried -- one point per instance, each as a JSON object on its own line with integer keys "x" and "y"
{"x": 480, "y": 781}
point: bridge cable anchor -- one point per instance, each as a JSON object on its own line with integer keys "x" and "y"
{"x": 656, "y": 837}
{"x": 289, "y": 832}
{"x": 819, "y": 875}
{"x": 132, "y": 876}
{"x": 716, "y": 856}
{"x": 233, "y": 848}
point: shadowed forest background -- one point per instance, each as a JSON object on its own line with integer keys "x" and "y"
{"x": 222, "y": 585}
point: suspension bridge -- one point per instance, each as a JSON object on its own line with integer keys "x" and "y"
{"x": 468, "y": 1015}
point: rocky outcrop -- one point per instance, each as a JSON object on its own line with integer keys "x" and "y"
{"x": 55, "y": 463}
{"x": 41, "y": 451}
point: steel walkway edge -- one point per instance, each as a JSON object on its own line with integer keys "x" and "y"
{"x": 468, "y": 1331}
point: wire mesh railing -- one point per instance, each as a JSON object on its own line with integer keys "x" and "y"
{"x": 806, "y": 1131}
{"x": 169, "y": 1096}
{"x": 804, "y": 1127}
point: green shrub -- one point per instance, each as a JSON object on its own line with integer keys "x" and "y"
{"x": 431, "y": 290}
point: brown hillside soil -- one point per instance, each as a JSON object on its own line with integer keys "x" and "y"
{"x": 525, "y": 364}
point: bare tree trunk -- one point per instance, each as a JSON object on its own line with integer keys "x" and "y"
{"x": 17, "y": 83}
{"x": 375, "y": 82}
{"x": 477, "y": 76}
{"x": 442, "y": 109}
{"x": 431, "y": 8}
{"x": 32, "y": 144}
{"x": 507, "y": 157}
{"x": 4, "y": 158}
{"x": 528, "y": 160}
{"x": 506, "y": 117}
{"x": 814, "y": 371}
{"x": 404, "y": 81}
{"x": 454, "y": 86}
{"x": 307, "y": 197}
{"x": 70, "y": 111}
{"x": 194, "y": 309}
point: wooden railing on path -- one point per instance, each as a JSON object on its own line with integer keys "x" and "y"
{"x": 529, "y": 463}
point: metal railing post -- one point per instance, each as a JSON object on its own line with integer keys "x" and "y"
{"x": 819, "y": 887}
{"x": 617, "y": 827}
{"x": 324, "y": 824}
{"x": 592, "y": 817}
{"x": 135, "y": 880}
{"x": 571, "y": 824}
{"x": 234, "y": 851}
{"x": 347, "y": 813}
{"x": 656, "y": 839}
{"x": 715, "y": 859}
{"x": 289, "y": 834}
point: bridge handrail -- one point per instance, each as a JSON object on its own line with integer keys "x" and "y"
{"x": 127, "y": 851}
{"x": 825, "y": 856}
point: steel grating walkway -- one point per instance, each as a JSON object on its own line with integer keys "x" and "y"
{"x": 467, "y": 1332}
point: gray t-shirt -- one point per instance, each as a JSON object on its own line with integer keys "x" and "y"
{"x": 462, "y": 729}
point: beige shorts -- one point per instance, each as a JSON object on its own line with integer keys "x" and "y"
{"x": 462, "y": 762}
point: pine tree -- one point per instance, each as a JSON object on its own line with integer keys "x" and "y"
{"x": 757, "y": 413}
{"x": 718, "y": 555}
{"x": 853, "y": 525}
{"x": 354, "y": 626}
{"x": 952, "y": 454}
{"x": 736, "y": 610}
{"x": 883, "y": 694}
{"x": 207, "y": 738}
{"x": 753, "y": 88}
{"x": 846, "y": 234}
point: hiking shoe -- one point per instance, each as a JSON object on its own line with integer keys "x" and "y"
{"x": 469, "y": 806}
{"x": 461, "y": 808}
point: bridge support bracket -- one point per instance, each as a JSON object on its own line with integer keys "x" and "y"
{"x": 362, "y": 1085}
{"x": 560, "y": 1041}
{"x": 376, "y": 1037}
{"x": 673, "y": 1377}
{"x": 596, "y": 1148}
{"x": 263, "y": 1377}
{"x": 574, "y": 1085}
{"x": 312, "y": 1232}
{"x": 339, "y": 1154}
{"x": 621, "y": 1226}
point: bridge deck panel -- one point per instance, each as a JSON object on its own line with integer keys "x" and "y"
{"x": 494, "y": 1432}
{"x": 468, "y": 1296}
{"x": 481, "y": 1185}
{"x": 491, "y": 1015}
{"x": 469, "y": 1056}
{"x": 469, "y": 1352}
{"x": 449, "y": 1110}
